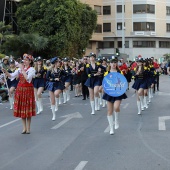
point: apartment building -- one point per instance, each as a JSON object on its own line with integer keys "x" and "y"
{"x": 97, "y": 36}
{"x": 146, "y": 28}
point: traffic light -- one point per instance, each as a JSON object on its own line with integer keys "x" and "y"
{"x": 117, "y": 52}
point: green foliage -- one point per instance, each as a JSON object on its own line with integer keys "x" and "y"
{"x": 2, "y": 56}
{"x": 68, "y": 24}
{"x": 25, "y": 43}
{"x": 167, "y": 57}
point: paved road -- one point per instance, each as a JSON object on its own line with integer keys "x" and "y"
{"x": 80, "y": 141}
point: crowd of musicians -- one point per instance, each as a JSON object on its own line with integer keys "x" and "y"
{"x": 26, "y": 79}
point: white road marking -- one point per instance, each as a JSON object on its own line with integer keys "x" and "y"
{"x": 161, "y": 122}
{"x": 125, "y": 106}
{"x": 81, "y": 165}
{"x": 68, "y": 117}
{"x": 133, "y": 95}
{"x": 163, "y": 93}
{"x": 6, "y": 124}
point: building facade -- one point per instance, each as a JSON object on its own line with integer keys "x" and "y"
{"x": 146, "y": 28}
{"x": 97, "y": 36}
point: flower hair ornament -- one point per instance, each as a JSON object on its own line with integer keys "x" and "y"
{"x": 28, "y": 56}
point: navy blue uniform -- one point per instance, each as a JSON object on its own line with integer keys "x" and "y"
{"x": 53, "y": 84}
{"x": 39, "y": 81}
{"x": 92, "y": 80}
{"x": 68, "y": 77}
{"x": 140, "y": 81}
{"x": 13, "y": 83}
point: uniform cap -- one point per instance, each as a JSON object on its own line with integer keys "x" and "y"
{"x": 53, "y": 60}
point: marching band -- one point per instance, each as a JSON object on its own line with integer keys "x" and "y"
{"x": 26, "y": 82}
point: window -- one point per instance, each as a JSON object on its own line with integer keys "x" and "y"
{"x": 144, "y": 8}
{"x": 106, "y": 27}
{"x": 144, "y": 26}
{"x": 126, "y": 44}
{"x": 119, "y": 25}
{"x": 119, "y": 8}
{"x": 164, "y": 44}
{"x": 168, "y": 10}
{"x": 106, "y": 10}
{"x": 119, "y": 44}
{"x": 168, "y": 27}
{"x": 144, "y": 44}
{"x": 98, "y": 10}
{"x": 98, "y": 29}
{"x": 106, "y": 44}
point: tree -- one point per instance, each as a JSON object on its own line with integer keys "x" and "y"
{"x": 68, "y": 24}
{"x": 5, "y": 34}
{"x": 25, "y": 43}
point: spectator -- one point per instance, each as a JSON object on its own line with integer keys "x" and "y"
{"x": 5, "y": 63}
{"x": 168, "y": 68}
{"x": 3, "y": 91}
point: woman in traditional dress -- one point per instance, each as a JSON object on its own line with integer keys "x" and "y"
{"x": 113, "y": 103}
{"x": 24, "y": 101}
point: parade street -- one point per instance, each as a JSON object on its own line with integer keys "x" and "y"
{"x": 78, "y": 140}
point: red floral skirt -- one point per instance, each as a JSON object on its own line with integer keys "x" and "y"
{"x": 24, "y": 102}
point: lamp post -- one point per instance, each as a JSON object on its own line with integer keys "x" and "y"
{"x": 123, "y": 28}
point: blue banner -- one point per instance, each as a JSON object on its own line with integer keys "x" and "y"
{"x": 115, "y": 84}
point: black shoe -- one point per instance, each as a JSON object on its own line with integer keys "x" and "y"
{"x": 24, "y": 132}
{"x": 27, "y": 132}
{"x": 83, "y": 99}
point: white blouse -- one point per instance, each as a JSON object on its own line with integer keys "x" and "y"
{"x": 30, "y": 74}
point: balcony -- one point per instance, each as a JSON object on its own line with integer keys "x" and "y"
{"x": 143, "y": 33}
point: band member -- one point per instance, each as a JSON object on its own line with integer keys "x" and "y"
{"x": 12, "y": 84}
{"x": 140, "y": 84}
{"x": 93, "y": 82}
{"x": 84, "y": 77}
{"x": 24, "y": 100}
{"x": 55, "y": 84}
{"x": 39, "y": 83}
{"x": 66, "y": 79}
{"x": 76, "y": 78}
{"x": 105, "y": 64}
{"x": 113, "y": 103}
{"x": 152, "y": 77}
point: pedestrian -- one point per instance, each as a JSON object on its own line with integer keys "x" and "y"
{"x": 24, "y": 101}
{"x": 113, "y": 103}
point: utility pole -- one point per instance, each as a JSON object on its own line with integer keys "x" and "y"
{"x": 123, "y": 28}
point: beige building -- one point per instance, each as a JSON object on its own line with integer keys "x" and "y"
{"x": 146, "y": 28}
{"x": 98, "y": 34}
